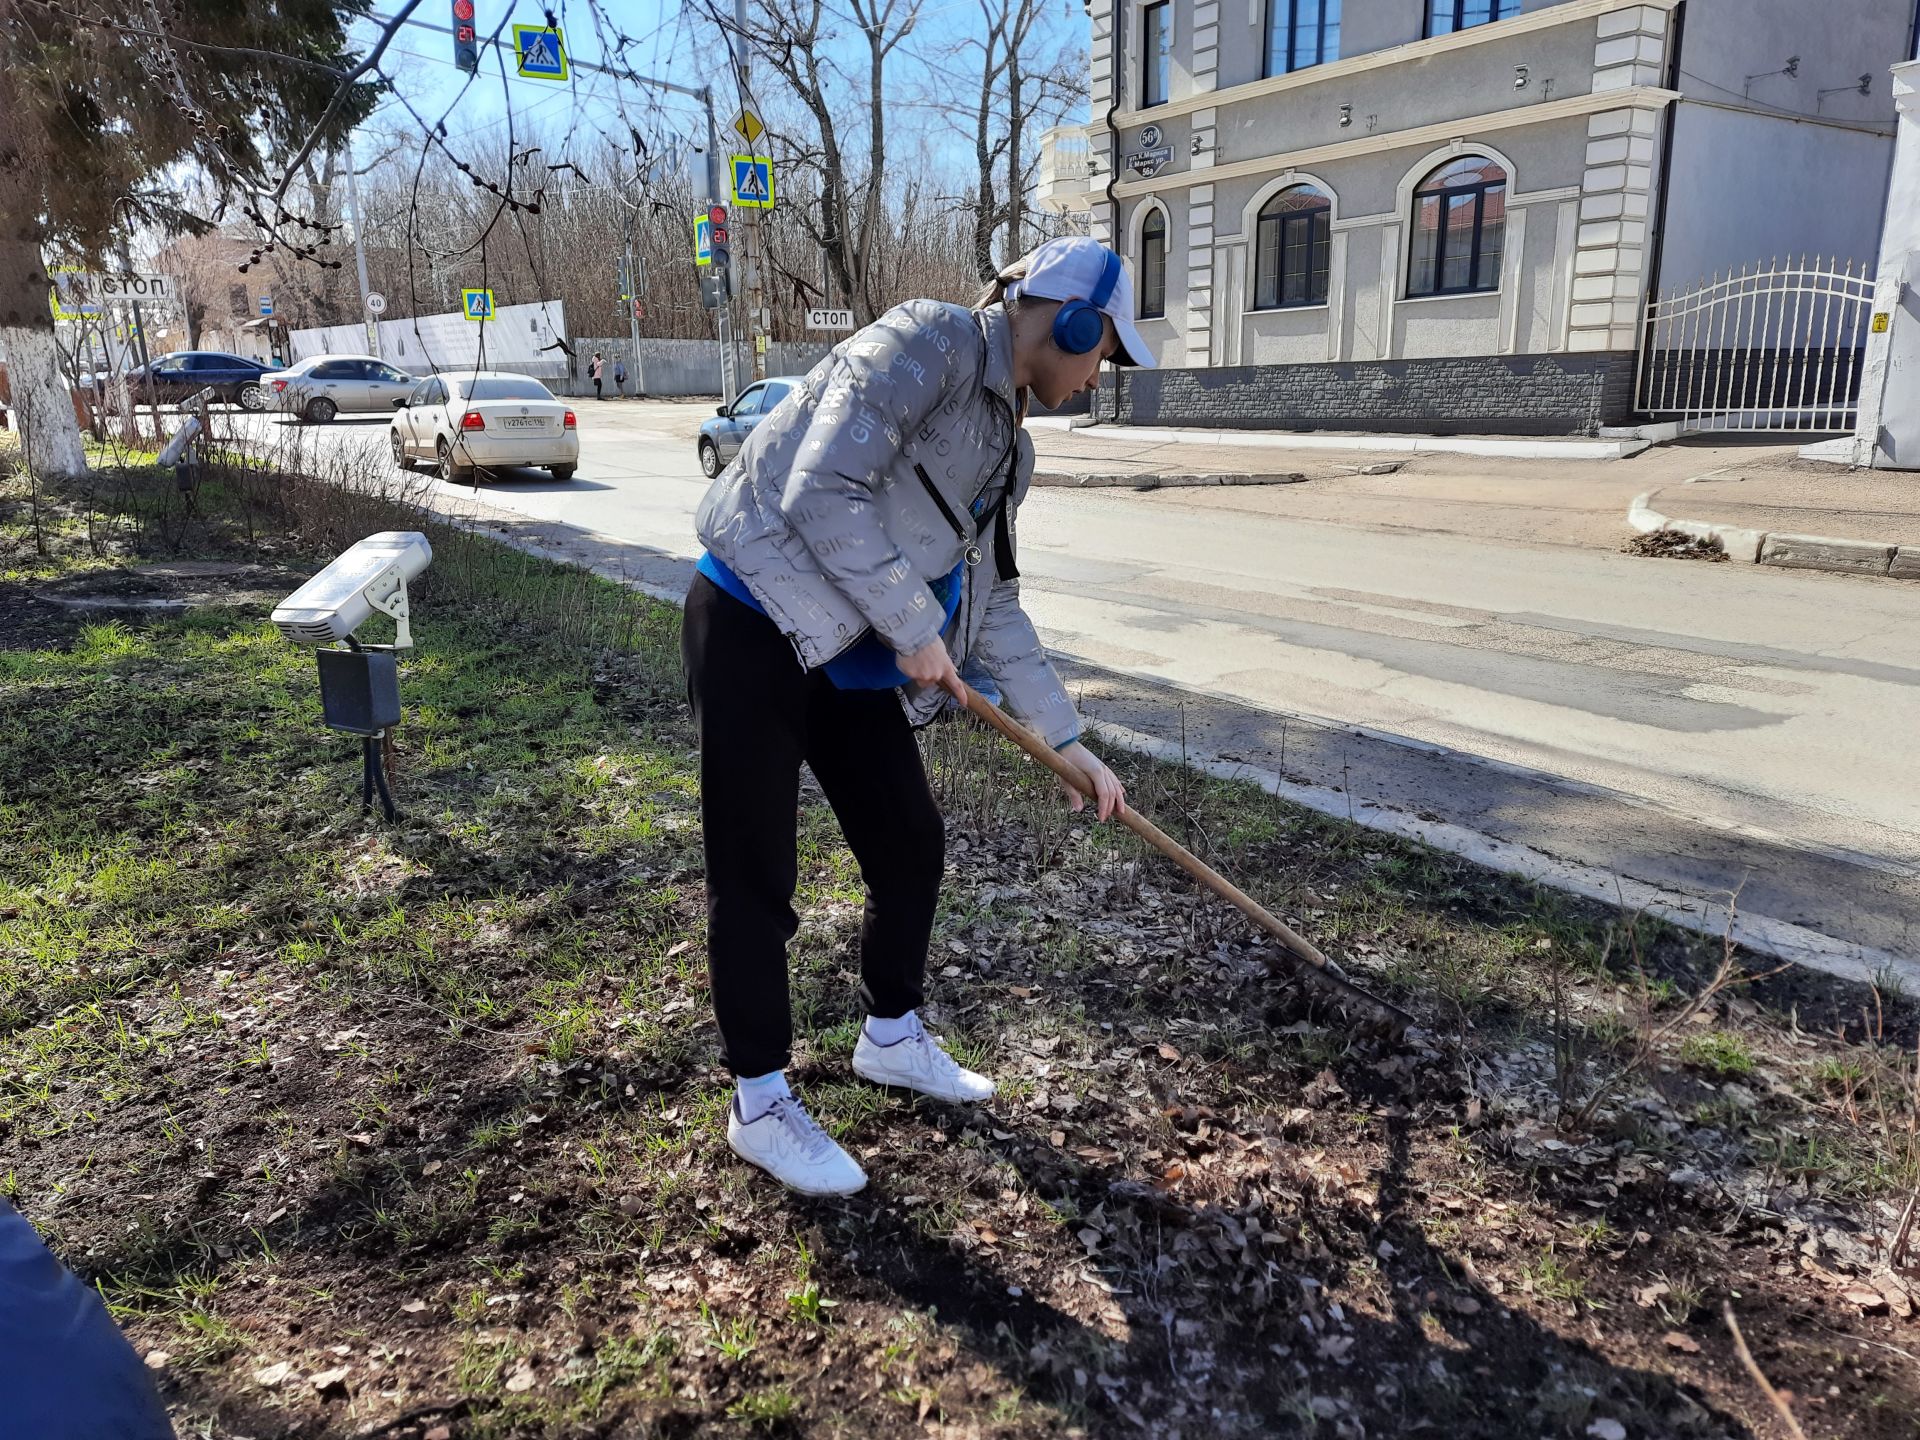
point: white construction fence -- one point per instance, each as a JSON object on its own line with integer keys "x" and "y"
{"x": 526, "y": 339}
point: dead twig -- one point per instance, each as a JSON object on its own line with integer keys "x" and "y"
{"x": 1774, "y": 1397}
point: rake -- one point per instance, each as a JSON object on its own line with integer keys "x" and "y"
{"x": 1297, "y": 955}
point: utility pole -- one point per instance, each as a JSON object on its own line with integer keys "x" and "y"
{"x": 723, "y": 323}
{"x": 360, "y": 250}
{"x": 756, "y": 241}
{"x": 632, "y": 288}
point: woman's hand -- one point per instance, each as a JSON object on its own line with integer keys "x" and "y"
{"x": 1110, "y": 796}
{"x": 931, "y": 665}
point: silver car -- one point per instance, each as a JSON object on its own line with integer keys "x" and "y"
{"x": 722, "y": 436}
{"x": 323, "y": 386}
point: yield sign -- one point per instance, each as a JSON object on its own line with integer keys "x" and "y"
{"x": 747, "y": 125}
{"x": 540, "y": 51}
{"x": 752, "y": 181}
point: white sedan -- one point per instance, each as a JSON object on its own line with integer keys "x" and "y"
{"x": 474, "y": 422}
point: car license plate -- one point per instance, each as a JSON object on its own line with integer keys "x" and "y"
{"x": 524, "y": 424}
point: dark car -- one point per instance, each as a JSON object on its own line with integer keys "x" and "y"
{"x": 721, "y": 437}
{"x": 234, "y": 378}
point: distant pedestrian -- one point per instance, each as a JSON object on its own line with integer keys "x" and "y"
{"x": 620, "y": 377}
{"x": 594, "y": 369}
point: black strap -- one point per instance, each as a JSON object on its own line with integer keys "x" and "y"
{"x": 1003, "y": 542}
{"x": 997, "y": 516}
{"x": 941, "y": 500}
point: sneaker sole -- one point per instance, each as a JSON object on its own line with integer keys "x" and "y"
{"x": 819, "y": 1190}
{"x": 895, "y": 1084}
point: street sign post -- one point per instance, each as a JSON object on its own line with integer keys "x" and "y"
{"x": 752, "y": 181}
{"x": 466, "y": 43}
{"x": 540, "y": 52}
{"x": 477, "y": 304}
{"x": 830, "y": 321}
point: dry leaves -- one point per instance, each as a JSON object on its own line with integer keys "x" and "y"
{"x": 324, "y": 1381}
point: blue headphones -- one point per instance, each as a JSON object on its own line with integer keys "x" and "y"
{"x": 1078, "y": 325}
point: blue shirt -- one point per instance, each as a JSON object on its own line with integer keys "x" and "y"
{"x": 867, "y": 664}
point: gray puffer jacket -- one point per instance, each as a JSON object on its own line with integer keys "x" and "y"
{"x": 897, "y": 457}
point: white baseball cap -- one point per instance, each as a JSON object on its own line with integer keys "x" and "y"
{"x": 1078, "y": 267}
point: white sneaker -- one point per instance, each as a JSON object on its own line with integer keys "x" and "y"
{"x": 789, "y": 1145}
{"x": 918, "y": 1062}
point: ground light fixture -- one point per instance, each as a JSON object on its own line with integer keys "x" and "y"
{"x": 360, "y": 684}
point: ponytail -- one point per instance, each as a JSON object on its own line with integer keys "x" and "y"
{"x": 1010, "y": 275}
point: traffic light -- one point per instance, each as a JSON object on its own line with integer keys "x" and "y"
{"x": 466, "y": 47}
{"x": 717, "y": 236}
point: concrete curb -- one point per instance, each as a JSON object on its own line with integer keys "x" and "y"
{"x": 1602, "y": 449}
{"x": 1080, "y": 480}
{"x": 1781, "y": 549}
{"x": 1775, "y": 939}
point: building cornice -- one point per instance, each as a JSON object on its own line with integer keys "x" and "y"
{"x": 1570, "y": 12}
{"x": 1461, "y": 131}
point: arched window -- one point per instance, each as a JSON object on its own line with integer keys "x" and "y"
{"x": 1290, "y": 249}
{"x": 1153, "y": 265}
{"x": 1446, "y": 16}
{"x": 1301, "y": 33}
{"x": 1459, "y": 228}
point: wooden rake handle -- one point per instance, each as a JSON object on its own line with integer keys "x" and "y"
{"x": 1297, "y": 946}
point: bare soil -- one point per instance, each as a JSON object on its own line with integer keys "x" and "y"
{"x": 417, "y": 1129}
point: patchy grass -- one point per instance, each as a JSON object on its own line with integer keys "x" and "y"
{"x": 437, "y": 1101}
{"x": 1721, "y": 1053}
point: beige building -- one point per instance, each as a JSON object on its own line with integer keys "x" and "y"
{"x": 1422, "y": 214}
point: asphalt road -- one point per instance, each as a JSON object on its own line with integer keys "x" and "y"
{"x": 1680, "y": 730}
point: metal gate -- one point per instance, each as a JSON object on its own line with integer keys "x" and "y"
{"x": 1777, "y": 346}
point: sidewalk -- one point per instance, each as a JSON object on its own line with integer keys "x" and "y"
{"x": 1795, "y": 514}
{"x": 1576, "y": 503}
{"x": 1325, "y": 442}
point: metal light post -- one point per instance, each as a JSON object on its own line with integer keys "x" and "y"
{"x": 632, "y": 289}
{"x": 360, "y": 250}
{"x": 755, "y": 240}
{"x": 722, "y": 317}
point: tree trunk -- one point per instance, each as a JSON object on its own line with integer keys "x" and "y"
{"x": 986, "y": 203}
{"x": 1016, "y": 146}
{"x": 50, "y": 432}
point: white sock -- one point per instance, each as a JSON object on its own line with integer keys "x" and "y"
{"x": 756, "y": 1094}
{"x": 890, "y": 1032}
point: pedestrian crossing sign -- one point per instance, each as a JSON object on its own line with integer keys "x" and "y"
{"x": 540, "y": 51}
{"x": 702, "y": 240}
{"x": 478, "y": 304}
{"x": 753, "y": 181}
